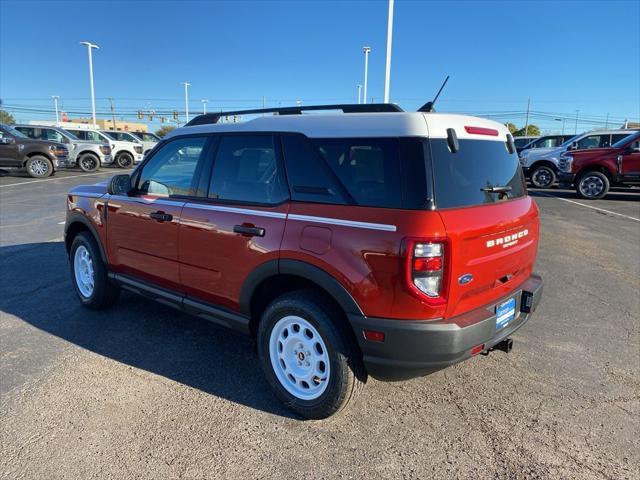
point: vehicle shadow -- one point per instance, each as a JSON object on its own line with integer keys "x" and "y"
{"x": 35, "y": 286}
{"x": 617, "y": 194}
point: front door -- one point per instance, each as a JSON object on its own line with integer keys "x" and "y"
{"x": 8, "y": 150}
{"x": 630, "y": 166}
{"x": 239, "y": 221}
{"x": 142, "y": 228}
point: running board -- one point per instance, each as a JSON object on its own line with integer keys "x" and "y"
{"x": 188, "y": 305}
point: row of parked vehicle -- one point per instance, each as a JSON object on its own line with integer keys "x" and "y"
{"x": 42, "y": 149}
{"x": 545, "y": 160}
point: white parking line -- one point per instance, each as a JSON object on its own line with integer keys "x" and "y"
{"x": 590, "y": 206}
{"x": 54, "y": 179}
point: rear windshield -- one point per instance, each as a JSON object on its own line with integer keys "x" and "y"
{"x": 463, "y": 178}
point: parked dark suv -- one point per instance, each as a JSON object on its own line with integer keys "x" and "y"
{"x": 39, "y": 157}
{"x": 373, "y": 242}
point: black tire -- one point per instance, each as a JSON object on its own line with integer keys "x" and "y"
{"x": 104, "y": 293}
{"x": 592, "y": 185}
{"x": 542, "y": 176}
{"x": 346, "y": 374}
{"x": 124, "y": 160}
{"x": 39, "y": 166}
{"x": 88, "y": 162}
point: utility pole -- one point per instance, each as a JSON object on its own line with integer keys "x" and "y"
{"x": 90, "y": 47}
{"x": 204, "y": 106}
{"x": 606, "y": 123}
{"x": 366, "y": 51}
{"x": 55, "y": 104}
{"x": 387, "y": 70}
{"x": 359, "y": 94}
{"x": 526, "y": 124}
{"x": 113, "y": 113}
{"x": 576, "y": 130}
{"x": 186, "y": 101}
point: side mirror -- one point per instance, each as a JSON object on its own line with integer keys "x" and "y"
{"x": 7, "y": 141}
{"x": 574, "y": 146}
{"x": 119, "y": 185}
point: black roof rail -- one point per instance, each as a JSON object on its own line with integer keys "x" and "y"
{"x": 208, "y": 118}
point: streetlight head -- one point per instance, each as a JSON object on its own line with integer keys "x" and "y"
{"x": 90, "y": 45}
{"x": 366, "y": 49}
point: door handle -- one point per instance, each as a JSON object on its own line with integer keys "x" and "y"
{"x": 161, "y": 216}
{"x": 249, "y": 231}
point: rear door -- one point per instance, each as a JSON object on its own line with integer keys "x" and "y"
{"x": 142, "y": 228}
{"x": 493, "y": 236}
{"x": 237, "y": 220}
{"x": 8, "y": 149}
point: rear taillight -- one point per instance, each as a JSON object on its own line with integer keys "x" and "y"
{"x": 425, "y": 269}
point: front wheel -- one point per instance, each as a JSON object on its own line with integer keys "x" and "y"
{"x": 89, "y": 163}
{"x": 39, "y": 167}
{"x": 124, "y": 160}
{"x": 592, "y": 185}
{"x": 543, "y": 176}
{"x": 309, "y": 355}
{"x": 89, "y": 274}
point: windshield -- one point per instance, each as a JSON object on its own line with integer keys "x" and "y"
{"x": 146, "y": 137}
{"x": 71, "y": 135}
{"x": 15, "y": 132}
{"x": 626, "y": 139}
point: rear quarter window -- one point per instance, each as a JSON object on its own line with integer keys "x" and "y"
{"x": 460, "y": 179}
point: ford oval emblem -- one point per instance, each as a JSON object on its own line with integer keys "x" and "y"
{"x": 464, "y": 279}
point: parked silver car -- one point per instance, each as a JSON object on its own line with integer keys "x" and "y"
{"x": 87, "y": 155}
{"x": 540, "y": 165}
{"x": 149, "y": 140}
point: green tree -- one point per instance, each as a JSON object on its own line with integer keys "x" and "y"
{"x": 162, "y": 131}
{"x": 6, "y": 118}
{"x": 532, "y": 131}
{"x": 511, "y": 127}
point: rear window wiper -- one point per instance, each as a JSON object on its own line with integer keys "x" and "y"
{"x": 502, "y": 190}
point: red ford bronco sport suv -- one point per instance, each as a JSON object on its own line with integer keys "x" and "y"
{"x": 592, "y": 172}
{"x": 369, "y": 242}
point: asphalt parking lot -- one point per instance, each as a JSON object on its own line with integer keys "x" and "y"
{"x": 141, "y": 391}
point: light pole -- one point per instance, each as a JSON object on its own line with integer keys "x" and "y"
{"x": 55, "y": 104}
{"x": 387, "y": 70}
{"x": 561, "y": 120}
{"x": 204, "y": 106}
{"x": 186, "y": 101}
{"x": 576, "y": 130}
{"x": 91, "y": 46}
{"x": 359, "y": 93}
{"x": 366, "y": 51}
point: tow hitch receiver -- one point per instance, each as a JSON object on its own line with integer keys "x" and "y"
{"x": 505, "y": 345}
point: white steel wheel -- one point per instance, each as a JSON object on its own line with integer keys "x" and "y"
{"x": 299, "y": 357}
{"x": 83, "y": 271}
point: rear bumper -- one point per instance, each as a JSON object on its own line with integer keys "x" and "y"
{"x": 416, "y": 348}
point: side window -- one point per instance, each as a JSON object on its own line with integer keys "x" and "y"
{"x": 48, "y": 134}
{"x": 369, "y": 168}
{"x": 29, "y": 132}
{"x": 592, "y": 141}
{"x": 310, "y": 179}
{"x": 246, "y": 169}
{"x": 170, "y": 171}
{"x": 616, "y": 137}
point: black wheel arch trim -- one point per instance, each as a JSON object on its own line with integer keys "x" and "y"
{"x": 79, "y": 218}
{"x": 302, "y": 269}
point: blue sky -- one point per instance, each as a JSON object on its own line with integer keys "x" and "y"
{"x": 563, "y": 55}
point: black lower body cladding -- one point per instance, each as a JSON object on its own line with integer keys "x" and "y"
{"x": 413, "y": 348}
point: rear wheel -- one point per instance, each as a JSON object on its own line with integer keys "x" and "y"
{"x": 543, "y": 176}
{"x": 124, "y": 160}
{"x": 89, "y": 274}
{"x": 592, "y": 185}
{"x": 309, "y": 356}
{"x": 89, "y": 162}
{"x": 39, "y": 166}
